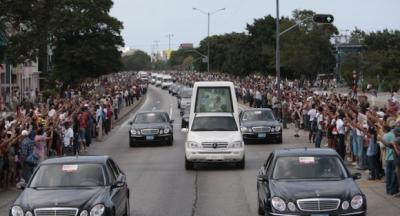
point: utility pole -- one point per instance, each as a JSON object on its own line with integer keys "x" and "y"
{"x": 277, "y": 63}
{"x": 169, "y": 36}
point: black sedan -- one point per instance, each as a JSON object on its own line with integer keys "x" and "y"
{"x": 308, "y": 182}
{"x": 185, "y": 117}
{"x": 71, "y": 186}
{"x": 151, "y": 127}
{"x": 260, "y": 125}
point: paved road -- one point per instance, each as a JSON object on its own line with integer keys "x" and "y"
{"x": 160, "y": 185}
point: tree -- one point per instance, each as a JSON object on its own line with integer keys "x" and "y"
{"x": 83, "y": 36}
{"x": 139, "y": 60}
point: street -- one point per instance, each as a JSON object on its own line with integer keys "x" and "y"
{"x": 160, "y": 185}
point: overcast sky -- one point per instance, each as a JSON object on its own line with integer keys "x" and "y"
{"x": 146, "y": 21}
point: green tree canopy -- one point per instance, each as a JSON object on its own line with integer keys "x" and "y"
{"x": 139, "y": 60}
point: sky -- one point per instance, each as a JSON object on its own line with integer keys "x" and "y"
{"x": 147, "y": 21}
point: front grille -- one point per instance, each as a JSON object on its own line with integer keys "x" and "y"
{"x": 214, "y": 152}
{"x": 56, "y": 212}
{"x": 214, "y": 144}
{"x": 149, "y": 131}
{"x": 261, "y": 129}
{"x": 318, "y": 204}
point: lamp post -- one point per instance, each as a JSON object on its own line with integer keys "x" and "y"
{"x": 208, "y": 32}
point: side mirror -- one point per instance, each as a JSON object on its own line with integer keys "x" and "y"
{"x": 262, "y": 178}
{"x": 131, "y": 123}
{"x": 117, "y": 184}
{"x": 184, "y": 130}
{"x": 21, "y": 186}
{"x": 171, "y": 121}
{"x": 356, "y": 176}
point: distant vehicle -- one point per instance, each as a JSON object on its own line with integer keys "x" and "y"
{"x": 308, "y": 182}
{"x": 185, "y": 113}
{"x": 185, "y": 98}
{"x": 260, "y": 125}
{"x": 143, "y": 75}
{"x": 159, "y": 78}
{"x": 151, "y": 127}
{"x": 174, "y": 90}
{"x": 153, "y": 78}
{"x": 71, "y": 186}
{"x": 166, "y": 82}
{"x": 214, "y": 133}
{"x": 171, "y": 87}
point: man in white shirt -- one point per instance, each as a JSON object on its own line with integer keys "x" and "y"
{"x": 311, "y": 114}
{"x": 68, "y": 136}
{"x": 340, "y": 127}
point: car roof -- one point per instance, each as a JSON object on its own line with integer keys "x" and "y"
{"x": 78, "y": 159}
{"x": 153, "y": 111}
{"x": 214, "y": 114}
{"x": 257, "y": 109}
{"x": 305, "y": 152}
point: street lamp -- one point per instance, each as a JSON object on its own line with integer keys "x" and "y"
{"x": 208, "y": 31}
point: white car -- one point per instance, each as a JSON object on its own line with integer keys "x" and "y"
{"x": 214, "y": 137}
{"x": 166, "y": 81}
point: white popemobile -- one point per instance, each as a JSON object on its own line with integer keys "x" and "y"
{"x": 214, "y": 133}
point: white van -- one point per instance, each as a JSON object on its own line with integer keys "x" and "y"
{"x": 214, "y": 133}
{"x": 153, "y": 78}
{"x": 166, "y": 81}
{"x": 143, "y": 75}
{"x": 159, "y": 78}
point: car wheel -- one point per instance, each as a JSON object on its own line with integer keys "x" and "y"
{"x": 260, "y": 208}
{"x": 241, "y": 164}
{"x": 279, "y": 140}
{"x": 131, "y": 143}
{"x": 188, "y": 164}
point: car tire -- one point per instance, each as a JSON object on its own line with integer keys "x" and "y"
{"x": 279, "y": 140}
{"x": 241, "y": 164}
{"x": 127, "y": 208}
{"x": 260, "y": 208}
{"x": 188, "y": 164}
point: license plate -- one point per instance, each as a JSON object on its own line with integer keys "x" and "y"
{"x": 215, "y": 157}
{"x": 149, "y": 137}
{"x": 262, "y": 135}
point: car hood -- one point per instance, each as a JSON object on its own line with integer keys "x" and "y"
{"x": 293, "y": 190}
{"x": 78, "y": 197}
{"x": 146, "y": 126}
{"x": 214, "y": 136}
{"x": 259, "y": 123}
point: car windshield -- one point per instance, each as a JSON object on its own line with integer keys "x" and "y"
{"x": 309, "y": 167}
{"x": 213, "y": 99}
{"x": 258, "y": 115}
{"x": 187, "y": 93}
{"x": 68, "y": 175}
{"x": 148, "y": 118}
{"x": 214, "y": 124}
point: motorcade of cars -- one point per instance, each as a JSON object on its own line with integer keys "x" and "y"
{"x": 72, "y": 186}
{"x": 150, "y": 127}
{"x": 185, "y": 113}
{"x": 159, "y": 78}
{"x": 308, "y": 181}
{"x": 214, "y": 134}
{"x": 185, "y": 98}
{"x": 166, "y": 81}
{"x": 260, "y": 124}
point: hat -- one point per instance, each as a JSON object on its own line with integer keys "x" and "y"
{"x": 24, "y": 133}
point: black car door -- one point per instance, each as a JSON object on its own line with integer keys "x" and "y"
{"x": 262, "y": 180}
{"x": 118, "y": 192}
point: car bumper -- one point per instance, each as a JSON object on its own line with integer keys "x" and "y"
{"x": 262, "y": 136}
{"x": 151, "y": 138}
{"x": 207, "y": 155}
{"x": 328, "y": 214}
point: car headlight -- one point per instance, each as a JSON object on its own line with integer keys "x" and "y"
{"x": 245, "y": 130}
{"x": 17, "y": 211}
{"x": 166, "y": 130}
{"x": 161, "y": 131}
{"x": 357, "y": 202}
{"x": 345, "y": 205}
{"x": 278, "y": 204}
{"x": 133, "y": 132}
{"x": 84, "y": 213}
{"x": 237, "y": 144}
{"x": 278, "y": 128}
{"x": 97, "y": 210}
{"x": 291, "y": 206}
{"x": 191, "y": 144}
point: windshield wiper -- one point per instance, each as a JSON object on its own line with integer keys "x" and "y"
{"x": 201, "y": 129}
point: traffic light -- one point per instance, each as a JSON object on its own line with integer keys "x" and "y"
{"x": 323, "y": 18}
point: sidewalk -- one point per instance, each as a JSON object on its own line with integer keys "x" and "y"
{"x": 9, "y": 195}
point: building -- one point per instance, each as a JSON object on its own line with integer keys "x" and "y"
{"x": 186, "y": 46}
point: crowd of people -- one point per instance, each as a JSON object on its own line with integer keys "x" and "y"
{"x": 364, "y": 134}
{"x": 63, "y": 124}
